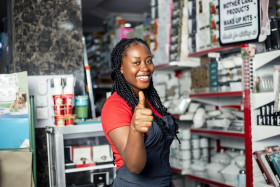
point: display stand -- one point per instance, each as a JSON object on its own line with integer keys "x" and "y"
{"x": 90, "y": 133}
{"x": 32, "y": 144}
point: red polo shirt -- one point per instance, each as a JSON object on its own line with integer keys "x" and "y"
{"x": 117, "y": 113}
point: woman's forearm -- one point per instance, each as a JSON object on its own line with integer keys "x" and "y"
{"x": 134, "y": 153}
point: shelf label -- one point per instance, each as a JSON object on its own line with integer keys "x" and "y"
{"x": 239, "y": 21}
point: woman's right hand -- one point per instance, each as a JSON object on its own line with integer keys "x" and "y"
{"x": 143, "y": 117}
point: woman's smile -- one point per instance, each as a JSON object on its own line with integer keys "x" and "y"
{"x": 144, "y": 78}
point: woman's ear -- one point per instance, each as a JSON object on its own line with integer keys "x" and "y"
{"x": 121, "y": 69}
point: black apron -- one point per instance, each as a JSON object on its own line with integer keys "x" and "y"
{"x": 157, "y": 171}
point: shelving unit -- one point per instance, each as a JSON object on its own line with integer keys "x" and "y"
{"x": 231, "y": 99}
{"x": 220, "y": 99}
{"x": 56, "y": 137}
{"x": 262, "y": 135}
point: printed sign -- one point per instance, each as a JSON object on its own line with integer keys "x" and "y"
{"x": 239, "y": 21}
{"x": 14, "y": 111}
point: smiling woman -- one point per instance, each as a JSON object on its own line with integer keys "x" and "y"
{"x": 134, "y": 120}
{"x": 137, "y": 67}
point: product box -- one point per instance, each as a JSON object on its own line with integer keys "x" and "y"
{"x": 102, "y": 154}
{"x": 123, "y": 33}
{"x": 82, "y": 156}
{"x": 100, "y": 179}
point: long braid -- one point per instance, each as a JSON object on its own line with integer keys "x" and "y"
{"x": 156, "y": 102}
{"x": 124, "y": 90}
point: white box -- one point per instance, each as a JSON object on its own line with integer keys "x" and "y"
{"x": 102, "y": 153}
{"x": 82, "y": 154}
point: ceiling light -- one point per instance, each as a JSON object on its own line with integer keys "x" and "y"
{"x": 127, "y": 25}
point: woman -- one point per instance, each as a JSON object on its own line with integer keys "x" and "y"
{"x": 136, "y": 124}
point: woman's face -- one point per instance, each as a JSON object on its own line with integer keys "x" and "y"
{"x": 137, "y": 67}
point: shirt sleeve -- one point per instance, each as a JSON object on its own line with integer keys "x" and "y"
{"x": 115, "y": 113}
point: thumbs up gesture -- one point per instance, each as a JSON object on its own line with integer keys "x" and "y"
{"x": 143, "y": 117}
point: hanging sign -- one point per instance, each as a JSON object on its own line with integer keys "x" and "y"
{"x": 239, "y": 21}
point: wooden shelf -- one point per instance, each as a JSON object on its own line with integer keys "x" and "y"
{"x": 207, "y": 181}
{"x": 218, "y": 49}
{"x": 218, "y": 133}
{"x": 217, "y": 94}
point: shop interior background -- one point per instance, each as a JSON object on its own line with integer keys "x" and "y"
{"x": 94, "y": 13}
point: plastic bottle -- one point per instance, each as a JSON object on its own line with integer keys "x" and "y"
{"x": 241, "y": 178}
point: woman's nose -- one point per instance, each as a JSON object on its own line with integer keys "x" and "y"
{"x": 144, "y": 67}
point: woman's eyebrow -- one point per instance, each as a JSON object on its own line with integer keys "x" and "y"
{"x": 150, "y": 56}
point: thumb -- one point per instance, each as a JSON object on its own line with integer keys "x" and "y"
{"x": 141, "y": 99}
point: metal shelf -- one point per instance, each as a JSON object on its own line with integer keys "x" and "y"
{"x": 219, "y": 133}
{"x": 181, "y": 171}
{"x": 175, "y": 65}
{"x": 207, "y": 181}
{"x": 216, "y": 94}
{"x": 218, "y": 49}
{"x": 263, "y": 58}
{"x": 260, "y": 99}
{"x": 73, "y": 170}
{"x": 262, "y": 132}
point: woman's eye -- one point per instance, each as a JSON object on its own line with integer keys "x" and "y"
{"x": 137, "y": 63}
{"x": 149, "y": 61}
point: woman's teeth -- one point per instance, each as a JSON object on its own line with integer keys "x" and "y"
{"x": 143, "y": 77}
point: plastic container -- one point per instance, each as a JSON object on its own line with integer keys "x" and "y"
{"x": 241, "y": 178}
{"x": 58, "y": 110}
{"x": 69, "y": 119}
{"x": 68, "y": 109}
{"x": 214, "y": 171}
{"x": 81, "y": 103}
{"x": 57, "y": 100}
{"x": 59, "y": 120}
{"x": 67, "y": 99}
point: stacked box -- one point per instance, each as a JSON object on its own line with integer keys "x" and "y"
{"x": 213, "y": 77}
{"x": 200, "y": 78}
{"x": 175, "y": 34}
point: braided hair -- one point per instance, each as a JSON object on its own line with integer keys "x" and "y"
{"x": 125, "y": 91}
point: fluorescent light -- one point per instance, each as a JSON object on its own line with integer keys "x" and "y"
{"x": 127, "y": 25}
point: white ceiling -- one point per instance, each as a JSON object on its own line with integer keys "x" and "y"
{"x": 95, "y": 12}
